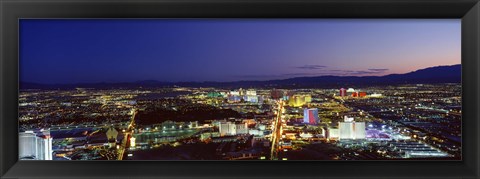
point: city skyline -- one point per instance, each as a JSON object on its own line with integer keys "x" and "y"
{"x": 379, "y": 122}
{"x": 174, "y": 50}
{"x": 240, "y": 89}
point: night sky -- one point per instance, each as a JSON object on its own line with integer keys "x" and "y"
{"x": 127, "y": 50}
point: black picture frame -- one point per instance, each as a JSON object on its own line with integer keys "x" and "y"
{"x": 12, "y": 10}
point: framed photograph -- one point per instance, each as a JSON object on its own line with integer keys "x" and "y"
{"x": 267, "y": 89}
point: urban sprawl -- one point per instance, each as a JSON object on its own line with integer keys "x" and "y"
{"x": 397, "y": 122}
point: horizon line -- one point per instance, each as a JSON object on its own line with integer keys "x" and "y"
{"x": 206, "y": 81}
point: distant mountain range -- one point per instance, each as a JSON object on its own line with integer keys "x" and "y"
{"x": 438, "y": 74}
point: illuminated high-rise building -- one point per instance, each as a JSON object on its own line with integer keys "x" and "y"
{"x": 112, "y": 134}
{"x": 376, "y": 95}
{"x": 346, "y": 130}
{"x": 234, "y": 93}
{"x": 251, "y": 93}
{"x": 241, "y": 92}
{"x": 35, "y": 146}
{"x": 359, "y": 130}
{"x": 310, "y": 116}
{"x": 355, "y": 94}
{"x": 362, "y": 94}
{"x": 349, "y": 129}
{"x": 332, "y": 133}
{"x": 343, "y": 92}
{"x": 132, "y": 142}
{"x": 231, "y": 128}
{"x": 224, "y": 128}
{"x": 299, "y": 100}
{"x": 27, "y": 145}
{"x": 241, "y": 128}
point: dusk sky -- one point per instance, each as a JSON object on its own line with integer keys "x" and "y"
{"x": 127, "y": 50}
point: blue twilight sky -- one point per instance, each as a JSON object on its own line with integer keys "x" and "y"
{"x": 125, "y": 50}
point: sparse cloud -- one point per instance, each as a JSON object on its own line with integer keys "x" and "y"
{"x": 362, "y": 72}
{"x": 378, "y": 69}
{"x": 256, "y": 76}
{"x": 322, "y": 72}
{"x": 300, "y": 74}
{"x": 344, "y": 71}
{"x": 371, "y": 71}
{"x": 311, "y": 67}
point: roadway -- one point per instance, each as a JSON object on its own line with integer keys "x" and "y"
{"x": 277, "y": 132}
{"x": 127, "y": 135}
